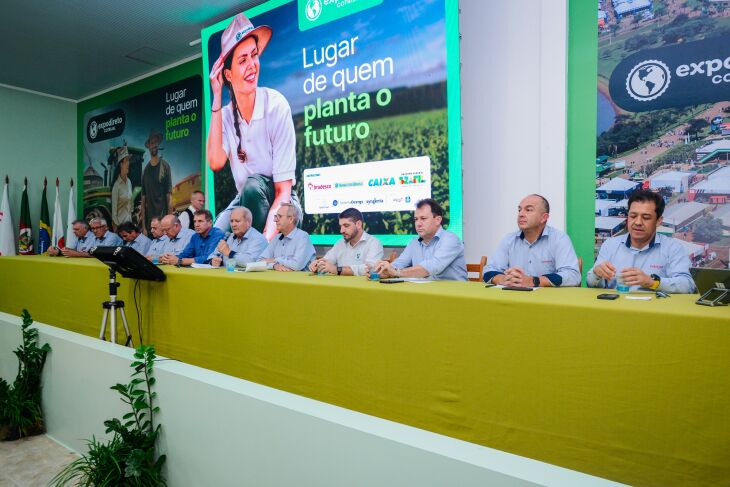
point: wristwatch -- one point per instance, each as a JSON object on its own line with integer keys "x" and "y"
{"x": 339, "y": 270}
{"x": 179, "y": 262}
{"x": 657, "y": 281}
{"x": 536, "y": 281}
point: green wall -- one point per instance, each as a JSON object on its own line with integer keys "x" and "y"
{"x": 582, "y": 76}
{"x": 38, "y": 139}
{"x": 150, "y": 83}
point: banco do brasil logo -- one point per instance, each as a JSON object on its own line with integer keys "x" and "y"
{"x": 648, "y": 80}
{"x": 313, "y": 9}
{"x": 92, "y": 130}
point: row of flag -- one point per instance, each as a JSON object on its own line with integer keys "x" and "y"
{"x": 50, "y": 233}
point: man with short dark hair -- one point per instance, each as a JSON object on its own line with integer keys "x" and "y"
{"x": 435, "y": 254}
{"x": 201, "y": 244}
{"x": 643, "y": 258}
{"x": 351, "y": 255}
{"x": 290, "y": 249}
{"x": 133, "y": 238}
{"x": 197, "y": 201}
{"x": 537, "y": 254}
{"x": 84, "y": 241}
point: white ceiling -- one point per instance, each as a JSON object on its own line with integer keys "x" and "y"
{"x": 77, "y": 48}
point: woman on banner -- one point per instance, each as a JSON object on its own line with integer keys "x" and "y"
{"x": 122, "y": 199}
{"x": 254, "y": 132}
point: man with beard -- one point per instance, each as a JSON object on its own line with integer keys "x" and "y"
{"x": 156, "y": 183}
{"x": 351, "y": 255}
{"x": 643, "y": 258}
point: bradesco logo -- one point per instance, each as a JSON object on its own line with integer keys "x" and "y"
{"x": 316, "y": 187}
{"x": 675, "y": 76}
{"x": 105, "y": 126}
{"x": 313, "y": 13}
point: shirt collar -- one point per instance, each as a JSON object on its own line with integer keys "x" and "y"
{"x": 437, "y": 235}
{"x": 651, "y": 243}
{"x": 290, "y": 236}
{"x": 363, "y": 238}
{"x": 545, "y": 232}
{"x": 258, "y": 106}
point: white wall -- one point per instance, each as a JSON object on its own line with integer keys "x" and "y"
{"x": 514, "y": 118}
{"x": 37, "y": 139}
{"x": 222, "y": 431}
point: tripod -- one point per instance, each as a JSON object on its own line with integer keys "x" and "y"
{"x": 111, "y": 307}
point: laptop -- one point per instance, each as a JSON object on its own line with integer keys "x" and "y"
{"x": 713, "y": 285}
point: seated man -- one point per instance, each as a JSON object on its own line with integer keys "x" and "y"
{"x": 244, "y": 245}
{"x": 159, "y": 239}
{"x": 177, "y": 236}
{"x": 643, "y": 258}
{"x": 435, "y": 254}
{"x": 536, "y": 255}
{"x": 201, "y": 244}
{"x": 351, "y": 255}
{"x": 290, "y": 250}
{"x": 102, "y": 235}
{"x": 133, "y": 238}
{"x": 84, "y": 241}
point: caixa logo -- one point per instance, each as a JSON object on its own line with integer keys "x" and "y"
{"x": 673, "y": 76}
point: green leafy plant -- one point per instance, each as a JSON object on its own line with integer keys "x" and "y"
{"x": 129, "y": 458}
{"x": 20, "y": 404}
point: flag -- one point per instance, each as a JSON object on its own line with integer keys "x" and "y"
{"x": 44, "y": 229}
{"x": 70, "y": 235}
{"x": 7, "y": 240}
{"x": 57, "y": 233}
{"x": 25, "y": 233}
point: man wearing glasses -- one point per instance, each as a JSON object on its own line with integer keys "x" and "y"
{"x": 290, "y": 250}
{"x": 102, "y": 236}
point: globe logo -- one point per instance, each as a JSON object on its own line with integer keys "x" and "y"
{"x": 648, "y": 80}
{"x": 92, "y": 130}
{"x": 313, "y": 9}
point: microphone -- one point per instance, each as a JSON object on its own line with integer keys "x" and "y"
{"x": 281, "y": 237}
{"x": 226, "y": 235}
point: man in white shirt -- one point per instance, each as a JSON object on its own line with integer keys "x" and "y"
{"x": 197, "y": 201}
{"x": 351, "y": 255}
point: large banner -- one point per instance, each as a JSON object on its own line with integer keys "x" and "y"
{"x": 664, "y": 119}
{"x": 333, "y": 105}
{"x": 142, "y": 155}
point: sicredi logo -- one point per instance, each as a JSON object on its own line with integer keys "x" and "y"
{"x": 648, "y": 80}
{"x": 675, "y": 76}
{"x": 313, "y": 9}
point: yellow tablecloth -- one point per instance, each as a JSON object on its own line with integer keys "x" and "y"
{"x": 632, "y": 391}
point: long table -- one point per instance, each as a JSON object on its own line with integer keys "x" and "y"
{"x": 633, "y": 391}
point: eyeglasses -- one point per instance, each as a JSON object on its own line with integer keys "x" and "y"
{"x": 278, "y": 217}
{"x": 97, "y": 227}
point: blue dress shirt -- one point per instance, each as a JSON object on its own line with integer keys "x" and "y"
{"x": 157, "y": 246}
{"x": 443, "y": 257}
{"x": 201, "y": 247}
{"x": 181, "y": 240}
{"x": 664, "y": 256}
{"x": 551, "y": 255}
{"x": 294, "y": 251}
{"x": 246, "y": 249}
{"x": 84, "y": 243}
{"x": 141, "y": 244}
{"x": 110, "y": 239}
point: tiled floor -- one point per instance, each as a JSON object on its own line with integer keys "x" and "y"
{"x": 31, "y": 462}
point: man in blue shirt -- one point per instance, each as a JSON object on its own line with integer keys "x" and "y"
{"x": 159, "y": 239}
{"x": 177, "y": 236}
{"x": 537, "y": 254}
{"x": 291, "y": 249}
{"x": 84, "y": 241}
{"x": 642, "y": 258}
{"x": 244, "y": 245}
{"x": 201, "y": 244}
{"x": 435, "y": 254}
{"x": 102, "y": 236}
{"x": 133, "y": 238}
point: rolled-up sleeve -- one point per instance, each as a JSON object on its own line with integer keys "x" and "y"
{"x": 373, "y": 253}
{"x": 302, "y": 255}
{"x": 566, "y": 263}
{"x": 499, "y": 262}
{"x": 679, "y": 279}
{"x": 405, "y": 258}
{"x": 253, "y": 251}
{"x": 448, "y": 250}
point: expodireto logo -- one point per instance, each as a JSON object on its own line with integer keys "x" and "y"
{"x": 93, "y": 130}
{"x": 648, "y": 80}
{"x": 313, "y": 9}
{"x": 106, "y": 126}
